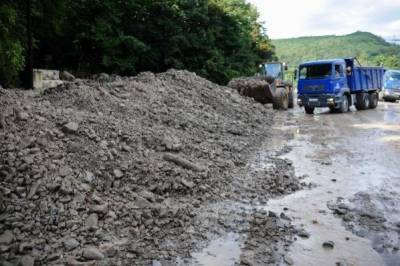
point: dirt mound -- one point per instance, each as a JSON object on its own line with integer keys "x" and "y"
{"x": 114, "y": 169}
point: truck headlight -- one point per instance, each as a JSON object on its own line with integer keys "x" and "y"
{"x": 299, "y": 101}
{"x": 330, "y": 101}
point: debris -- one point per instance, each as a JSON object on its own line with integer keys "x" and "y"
{"x": 27, "y": 261}
{"x": 328, "y": 244}
{"x": 6, "y": 238}
{"x": 92, "y": 253}
{"x": 182, "y": 162}
{"x": 65, "y": 75}
{"x": 70, "y": 127}
{"x": 84, "y": 171}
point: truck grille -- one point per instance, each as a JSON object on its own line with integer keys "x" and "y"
{"x": 319, "y": 87}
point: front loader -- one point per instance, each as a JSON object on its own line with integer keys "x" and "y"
{"x": 268, "y": 86}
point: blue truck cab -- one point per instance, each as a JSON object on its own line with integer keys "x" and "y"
{"x": 338, "y": 84}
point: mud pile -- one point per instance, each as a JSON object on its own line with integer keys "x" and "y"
{"x": 115, "y": 170}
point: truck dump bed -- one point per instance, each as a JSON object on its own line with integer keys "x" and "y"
{"x": 364, "y": 79}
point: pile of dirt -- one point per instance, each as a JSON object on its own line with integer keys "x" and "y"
{"x": 115, "y": 170}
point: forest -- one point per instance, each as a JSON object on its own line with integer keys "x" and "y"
{"x": 370, "y": 49}
{"x": 217, "y": 39}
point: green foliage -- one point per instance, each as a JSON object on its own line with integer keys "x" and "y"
{"x": 368, "y": 48}
{"x": 11, "y": 50}
{"x": 218, "y": 39}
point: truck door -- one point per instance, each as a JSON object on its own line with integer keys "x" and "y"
{"x": 339, "y": 78}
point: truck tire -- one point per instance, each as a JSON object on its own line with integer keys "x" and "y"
{"x": 389, "y": 100}
{"x": 344, "y": 106}
{"x": 281, "y": 99}
{"x": 309, "y": 110}
{"x": 362, "y": 101}
{"x": 373, "y": 100}
{"x": 291, "y": 98}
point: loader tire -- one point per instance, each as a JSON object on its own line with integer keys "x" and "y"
{"x": 291, "y": 98}
{"x": 281, "y": 99}
{"x": 373, "y": 100}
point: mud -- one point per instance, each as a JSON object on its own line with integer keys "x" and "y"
{"x": 352, "y": 161}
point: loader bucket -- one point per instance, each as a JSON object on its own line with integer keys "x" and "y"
{"x": 254, "y": 87}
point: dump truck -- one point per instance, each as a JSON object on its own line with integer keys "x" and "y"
{"x": 338, "y": 84}
{"x": 268, "y": 86}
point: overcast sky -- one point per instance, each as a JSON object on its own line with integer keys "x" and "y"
{"x": 293, "y": 18}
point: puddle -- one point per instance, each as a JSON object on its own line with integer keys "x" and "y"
{"x": 223, "y": 251}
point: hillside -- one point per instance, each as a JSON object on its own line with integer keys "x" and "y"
{"x": 367, "y": 47}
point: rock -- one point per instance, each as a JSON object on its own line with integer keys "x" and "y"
{"x": 328, "y": 244}
{"x": 91, "y": 221}
{"x": 171, "y": 143}
{"x": 188, "y": 184}
{"x": 2, "y": 121}
{"x": 70, "y": 261}
{"x": 65, "y": 75}
{"x": 112, "y": 215}
{"x": 102, "y": 209}
{"x": 118, "y": 173}
{"x": 54, "y": 256}
{"x": 126, "y": 148}
{"x": 6, "y": 238}
{"x": 70, "y": 128}
{"x": 22, "y": 116}
{"x": 109, "y": 250}
{"x": 27, "y": 261}
{"x": 272, "y": 214}
{"x": 92, "y": 253}
{"x": 33, "y": 189}
{"x": 303, "y": 233}
{"x": 182, "y": 162}
{"x": 70, "y": 244}
{"x": 288, "y": 260}
{"x": 24, "y": 247}
{"x": 89, "y": 177}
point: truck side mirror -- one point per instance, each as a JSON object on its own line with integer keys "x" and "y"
{"x": 295, "y": 74}
{"x": 286, "y": 67}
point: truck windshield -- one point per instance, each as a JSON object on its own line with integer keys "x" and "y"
{"x": 392, "y": 80}
{"x": 273, "y": 70}
{"x": 315, "y": 71}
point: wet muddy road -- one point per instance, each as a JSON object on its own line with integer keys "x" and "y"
{"x": 352, "y": 161}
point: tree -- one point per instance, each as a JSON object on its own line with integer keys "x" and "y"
{"x": 11, "y": 48}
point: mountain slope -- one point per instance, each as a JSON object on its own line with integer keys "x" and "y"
{"x": 367, "y": 47}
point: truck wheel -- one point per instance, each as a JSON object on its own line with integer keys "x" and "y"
{"x": 362, "y": 101}
{"x": 291, "y": 98}
{"x": 389, "y": 100}
{"x": 309, "y": 110}
{"x": 281, "y": 99}
{"x": 373, "y": 100}
{"x": 344, "y": 106}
